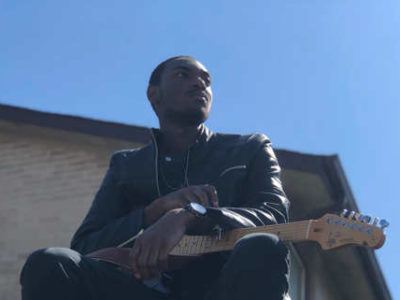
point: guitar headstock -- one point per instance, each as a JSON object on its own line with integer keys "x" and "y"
{"x": 350, "y": 228}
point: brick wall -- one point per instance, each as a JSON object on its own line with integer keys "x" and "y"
{"x": 47, "y": 182}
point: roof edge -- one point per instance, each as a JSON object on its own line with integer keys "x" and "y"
{"x": 74, "y": 123}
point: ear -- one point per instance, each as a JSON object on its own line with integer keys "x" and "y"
{"x": 153, "y": 95}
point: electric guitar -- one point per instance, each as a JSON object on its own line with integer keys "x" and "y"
{"x": 330, "y": 231}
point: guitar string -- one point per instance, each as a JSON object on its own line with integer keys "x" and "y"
{"x": 295, "y": 229}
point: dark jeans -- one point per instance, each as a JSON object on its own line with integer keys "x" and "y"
{"x": 257, "y": 268}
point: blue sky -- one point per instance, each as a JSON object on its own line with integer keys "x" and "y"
{"x": 319, "y": 77}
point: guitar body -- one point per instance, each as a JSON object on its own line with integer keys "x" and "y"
{"x": 121, "y": 257}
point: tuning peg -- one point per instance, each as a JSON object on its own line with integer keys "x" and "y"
{"x": 384, "y": 223}
{"x": 375, "y": 221}
{"x": 351, "y": 215}
{"x": 367, "y": 219}
{"x": 364, "y": 218}
{"x": 344, "y": 212}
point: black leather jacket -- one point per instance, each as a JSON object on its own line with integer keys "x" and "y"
{"x": 243, "y": 168}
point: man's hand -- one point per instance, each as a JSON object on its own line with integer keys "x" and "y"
{"x": 205, "y": 195}
{"x": 150, "y": 252}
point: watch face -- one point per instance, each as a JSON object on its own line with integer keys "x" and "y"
{"x": 200, "y": 209}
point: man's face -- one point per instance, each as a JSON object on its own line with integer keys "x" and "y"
{"x": 185, "y": 92}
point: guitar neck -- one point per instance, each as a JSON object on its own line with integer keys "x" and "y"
{"x": 197, "y": 245}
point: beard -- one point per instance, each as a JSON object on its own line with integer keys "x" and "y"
{"x": 187, "y": 118}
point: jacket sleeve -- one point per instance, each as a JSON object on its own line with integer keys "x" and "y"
{"x": 263, "y": 201}
{"x": 108, "y": 223}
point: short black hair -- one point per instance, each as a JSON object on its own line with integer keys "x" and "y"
{"x": 155, "y": 77}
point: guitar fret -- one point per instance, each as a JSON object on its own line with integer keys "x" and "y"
{"x": 201, "y": 249}
{"x": 185, "y": 249}
{"x": 206, "y": 244}
{"x": 191, "y": 247}
{"x": 308, "y": 229}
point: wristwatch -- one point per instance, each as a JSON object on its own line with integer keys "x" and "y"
{"x": 196, "y": 209}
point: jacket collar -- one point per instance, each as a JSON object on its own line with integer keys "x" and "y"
{"x": 204, "y": 136}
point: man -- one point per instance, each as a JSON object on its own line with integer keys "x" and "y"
{"x": 150, "y": 188}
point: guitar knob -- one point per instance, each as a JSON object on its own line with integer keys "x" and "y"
{"x": 369, "y": 230}
{"x": 344, "y": 212}
{"x": 384, "y": 223}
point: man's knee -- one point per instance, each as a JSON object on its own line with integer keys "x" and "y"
{"x": 258, "y": 265}
{"x": 260, "y": 249}
{"x": 261, "y": 242}
{"x": 41, "y": 263}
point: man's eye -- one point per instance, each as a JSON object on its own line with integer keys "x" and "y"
{"x": 207, "y": 81}
{"x": 181, "y": 74}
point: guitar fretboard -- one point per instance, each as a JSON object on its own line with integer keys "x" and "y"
{"x": 197, "y": 245}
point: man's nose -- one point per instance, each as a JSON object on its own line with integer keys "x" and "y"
{"x": 199, "y": 82}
